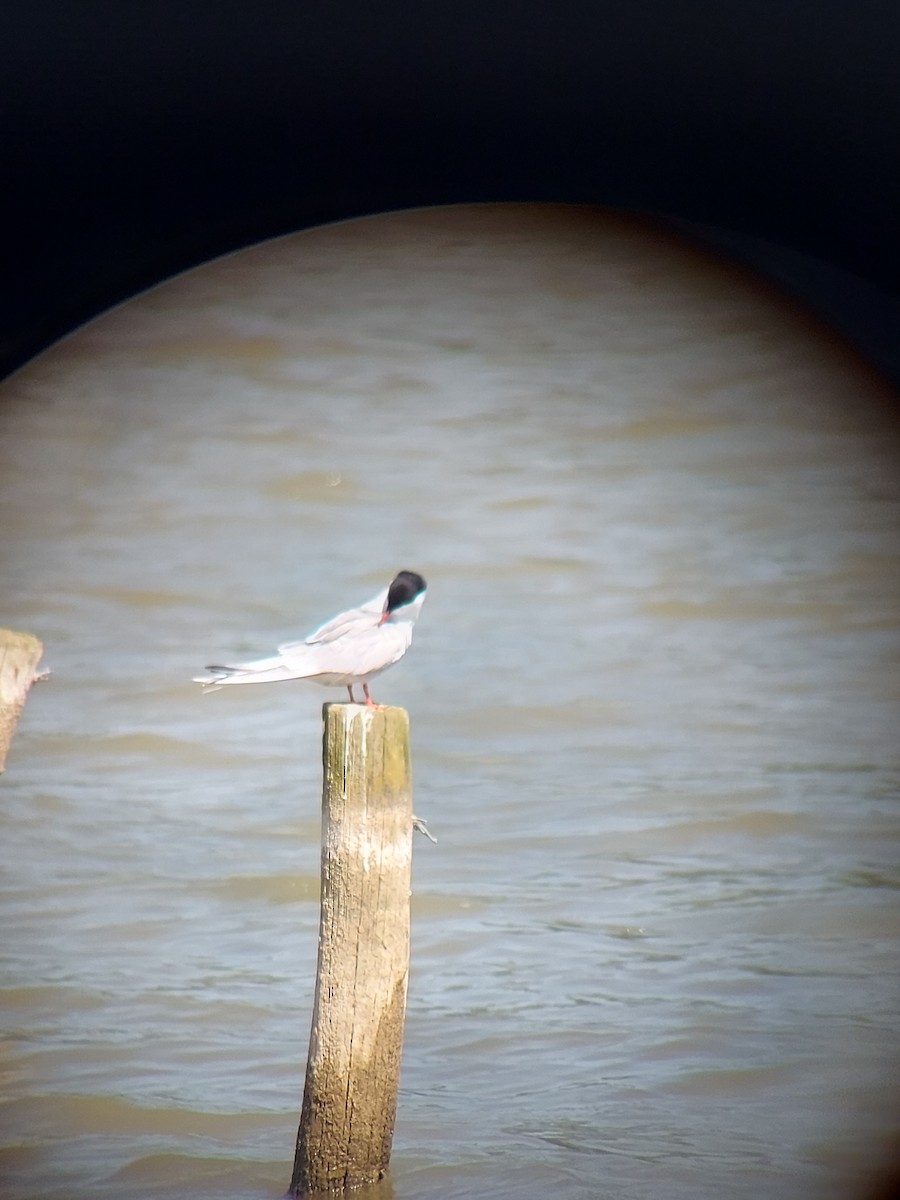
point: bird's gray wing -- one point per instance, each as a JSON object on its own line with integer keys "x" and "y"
{"x": 356, "y": 620}
{"x": 336, "y": 628}
{"x": 377, "y": 603}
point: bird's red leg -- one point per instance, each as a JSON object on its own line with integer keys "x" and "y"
{"x": 369, "y": 701}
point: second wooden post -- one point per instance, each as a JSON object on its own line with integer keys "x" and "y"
{"x": 353, "y": 1069}
{"x": 20, "y": 654}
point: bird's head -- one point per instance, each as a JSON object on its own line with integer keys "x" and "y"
{"x": 405, "y": 598}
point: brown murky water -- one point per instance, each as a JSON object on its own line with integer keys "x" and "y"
{"x": 654, "y": 697}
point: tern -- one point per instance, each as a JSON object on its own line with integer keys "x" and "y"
{"x": 351, "y": 648}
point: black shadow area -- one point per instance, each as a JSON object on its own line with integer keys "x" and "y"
{"x": 141, "y": 139}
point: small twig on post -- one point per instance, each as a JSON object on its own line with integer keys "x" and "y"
{"x": 420, "y": 827}
{"x": 20, "y": 654}
{"x": 353, "y": 1069}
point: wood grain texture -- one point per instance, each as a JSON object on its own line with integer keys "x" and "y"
{"x": 20, "y": 654}
{"x": 353, "y": 1069}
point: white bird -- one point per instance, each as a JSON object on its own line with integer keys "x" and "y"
{"x": 351, "y": 648}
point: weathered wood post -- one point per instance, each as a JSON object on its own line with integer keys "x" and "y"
{"x": 20, "y": 654}
{"x": 353, "y": 1069}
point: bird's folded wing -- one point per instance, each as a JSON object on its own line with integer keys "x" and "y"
{"x": 349, "y": 624}
{"x": 377, "y": 603}
{"x": 355, "y": 620}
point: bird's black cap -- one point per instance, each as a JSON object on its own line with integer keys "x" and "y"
{"x": 405, "y": 587}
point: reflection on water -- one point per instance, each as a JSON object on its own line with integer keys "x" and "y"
{"x": 653, "y": 694}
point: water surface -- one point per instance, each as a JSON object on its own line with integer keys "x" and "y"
{"x": 654, "y": 698}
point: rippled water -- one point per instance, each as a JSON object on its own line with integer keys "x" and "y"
{"x": 654, "y": 698}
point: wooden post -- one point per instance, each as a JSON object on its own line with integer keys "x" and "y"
{"x": 20, "y": 654}
{"x": 353, "y": 1069}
